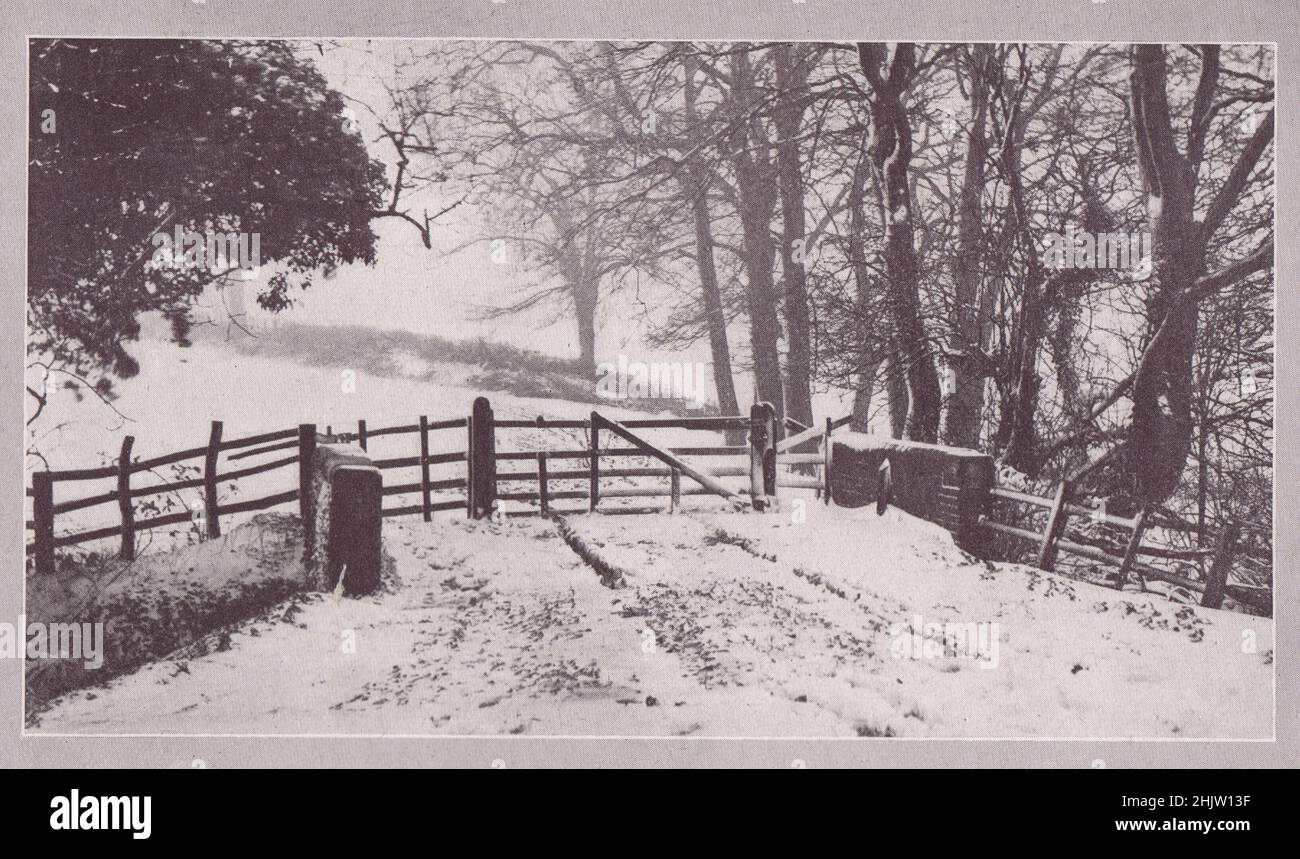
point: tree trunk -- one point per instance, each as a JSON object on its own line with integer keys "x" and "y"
{"x": 1161, "y": 431}
{"x": 899, "y": 398}
{"x": 584, "y": 306}
{"x": 965, "y": 403}
{"x": 869, "y": 339}
{"x": 715, "y": 317}
{"x": 756, "y": 202}
{"x": 891, "y": 153}
{"x": 791, "y": 78}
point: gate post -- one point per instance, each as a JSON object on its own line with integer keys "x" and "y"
{"x": 43, "y": 516}
{"x": 210, "y": 507}
{"x": 762, "y": 454}
{"x": 482, "y": 459}
{"x": 124, "y": 507}
{"x": 306, "y": 489}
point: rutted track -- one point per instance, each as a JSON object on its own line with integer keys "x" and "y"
{"x": 701, "y": 624}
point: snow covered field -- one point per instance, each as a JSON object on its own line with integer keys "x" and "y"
{"x": 793, "y": 623}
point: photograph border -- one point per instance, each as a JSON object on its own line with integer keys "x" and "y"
{"x": 1074, "y": 21}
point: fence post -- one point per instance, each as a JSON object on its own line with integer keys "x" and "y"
{"x": 543, "y": 487}
{"x": 361, "y": 434}
{"x": 210, "y": 481}
{"x": 425, "y": 500}
{"x": 1131, "y": 551}
{"x": 826, "y": 464}
{"x": 594, "y": 492}
{"x": 1055, "y": 526}
{"x": 483, "y": 464}
{"x": 306, "y": 490}
{"x": 674, "y": 489}
{"x": 469, "y": 467}
{"x": 1216, "y": 581}
{"x": 127, "y": 552}
{"x": 43, "y": 516}
{"x": 762, "y": 454}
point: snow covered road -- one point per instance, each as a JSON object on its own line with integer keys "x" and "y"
{"x": 811, "y": 621}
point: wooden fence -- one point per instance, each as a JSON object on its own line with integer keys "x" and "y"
{"x": 1052, "y": 540}
{"x": 302, "y": 440}
{"x": 759, "y": 460}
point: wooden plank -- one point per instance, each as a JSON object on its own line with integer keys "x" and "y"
{"x": 1119, "y": 521}
{"x": 1012, "y": 495}
{"x": 210, "y": 481}
{"x": 168, "y": 459}
{"x": 799, "y": 438}
{"x": 1216, "y": 581}
{"x": 260, "y": 503}
{"x": 92, "y": 500}
{"x": 542, "y": 423}
{"x": 397, "y": 462}
{"x": 1175, "y": 554}
{"x": 255, "y": 469}
{"x": 188, "y": 483}
{"x": 425, "y": 496}
{"x": 457, "y": 504}
{"x": 88, "y": 473}
{"x": 249, "y": 441}
{"x": 402, "y": 511}
{"x": 585, "y": 453}
{"x": 1055, "y": 525}
{"x": 124, "y": 506}
{"x": 43, "y": 521}
{"x": 1010, "y": 530}
{"x": 1134, "y": 546}
{"x": 371, "y": 432}
{"x": 567, "y": 495}
{"x": 674, "y": 490}
{"x": 257, "y": 451}
{"x": 706, "y": 423}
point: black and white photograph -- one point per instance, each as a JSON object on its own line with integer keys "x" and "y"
{"x": 421, "y": 385}
{"x": 743, "y": 389}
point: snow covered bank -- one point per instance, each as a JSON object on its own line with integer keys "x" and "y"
{"x": 163, "y": 601}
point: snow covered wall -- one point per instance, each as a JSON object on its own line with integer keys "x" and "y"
{"x": 945, "y": 485}
{"x": 347, "y": 496}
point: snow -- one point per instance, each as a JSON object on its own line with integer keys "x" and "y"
{"x": 795, "y": 623}
{"x": 724, "y": 624}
